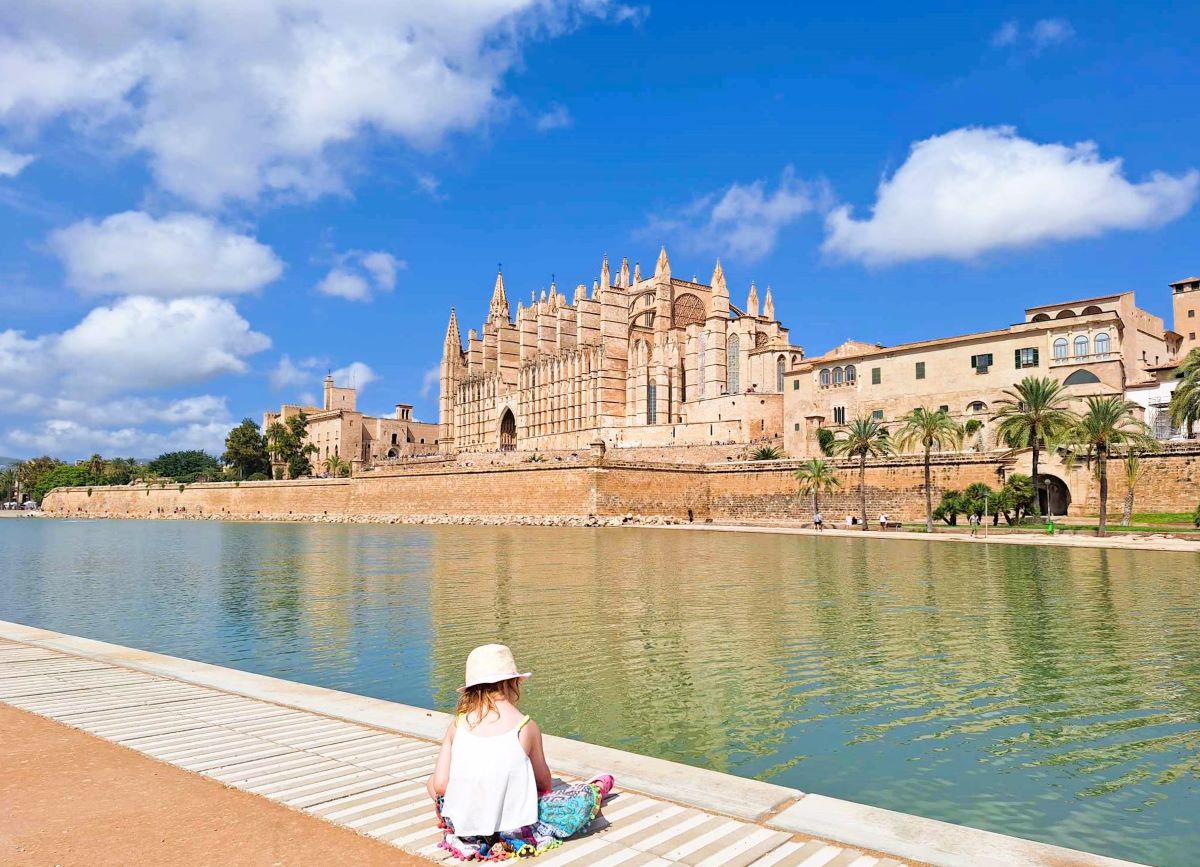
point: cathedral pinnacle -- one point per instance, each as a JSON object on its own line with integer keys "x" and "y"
{"x": 769, "y": 306}
{"x": 663, "y": 267}
{"x": 605, "y": 279}
{"x": 718, "y": 281}
{"x": 752, "y": 300}
{"x": 452, "y": 335}
{"x": 499, "y": 306}
{"x": 624, "y": 281}
{"x": 637, "y": 272}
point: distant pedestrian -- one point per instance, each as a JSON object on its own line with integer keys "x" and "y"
{"x": 491, "y": 785}
{"x": 819, "y": 521}
{"x": 883, "y": 521}
{"x": 973, "y": 520}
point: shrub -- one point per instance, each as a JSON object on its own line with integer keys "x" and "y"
{"x": 767, "y": 453}
{"x": 535, "y": 458}
{"x": 181, "y": 487}
{"x": 825, "y": 439}
{"x": 89, "y": 492}
{"x": 972, "y": 426}
{"x": 257, "y": 477}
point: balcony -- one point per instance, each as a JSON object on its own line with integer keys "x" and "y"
{"x": 1093, "y": 358}
{"x": 833, "y": 385}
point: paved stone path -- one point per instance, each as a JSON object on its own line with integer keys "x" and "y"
{"x": 363, "y": 778}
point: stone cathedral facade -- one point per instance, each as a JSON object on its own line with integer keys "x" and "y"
{"x": 637, "y": 362}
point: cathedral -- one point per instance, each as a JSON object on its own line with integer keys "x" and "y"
{"x": 637, "y": 362}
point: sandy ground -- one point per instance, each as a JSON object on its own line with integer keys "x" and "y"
{"x": 68, "y": 798}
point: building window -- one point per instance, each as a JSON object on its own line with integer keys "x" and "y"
{"x": 732, "y": 364}
{"x": 945, "y": 407}
{"x": 779, "y": 368}
{"x": 651, "y": 401}
{"x": 824, "y": 377}
{"x": 839, "y": 415}
{"x": 1102, "y": 343}
{"x": 851, "y": 374}
{"x": 981, "y": 362}
{"x": 977, "y": 406}
{"x": 1191, "y": 335}
{"x": 1060, "y": 348}
{"x": 877, "y": 414}
{"x": 796, "y": 426}
{"x": 1027, "y": 357}
{"x": 920, "y": 370}
{"x": 837, "y": 376}
{"x": 795, "y": 384}
{"x": 876, "y": 376}
{"x": 1081, "y": 345}
{"x": 393, "y": 439}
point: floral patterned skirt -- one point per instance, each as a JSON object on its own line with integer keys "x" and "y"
{"x": 562, "y": 813}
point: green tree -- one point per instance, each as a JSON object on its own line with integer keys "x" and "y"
{"x": 1109, "y": 423}
{"x": 285, "y": 443}
{"x": 825, "y": 441}
{"x": 1185, "y": 399}
{"x": 929, "y": 430}
{"x": 865, "y": 437}
{"x": 337, "y": 467}
{"x": 185, "y": 467}
{"x": 767, "y": 453}
{"x": 246, "y": 450}
{"x": 1134, "y": 471}
{"x": 1034, "y": 412}
{"x": 815, "y": 477}
{"x": 1017, "y": 498}
{"x": 61, "y": 476}
{"x": 30, "y": 472}
{"x": 119, "y": 471}
{"x": 950, "y": 507}
{"x": 977, "y": 500}
{"x": 8, "y": 483}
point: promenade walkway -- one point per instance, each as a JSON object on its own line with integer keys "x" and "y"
{"x": 344, "y": 767}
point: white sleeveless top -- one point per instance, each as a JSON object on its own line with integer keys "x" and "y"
{"x": 491, "y": 785}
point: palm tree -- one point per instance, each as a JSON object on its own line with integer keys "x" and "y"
{"x": 1134, "y": 470}
{"x": 815, "y": 477}
{"x": 335, "y": 466}
{"x": 1110, "y": 422}
{"x": 1033, "y": 412}
{"x": 1185, "y": 400}
{"x": 864, "y": 437}
{"x": 927, "y": 429}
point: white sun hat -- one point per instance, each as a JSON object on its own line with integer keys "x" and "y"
{"x": 491, "y": 663}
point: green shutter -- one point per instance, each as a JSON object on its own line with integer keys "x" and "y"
{"x": 1017, "y": 358}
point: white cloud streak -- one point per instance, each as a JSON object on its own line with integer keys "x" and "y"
{"x": 358, "y": 275}
{"x": 558, "y": 117}
{"x": 976, "y": 189}
{"x": 12, "y": 164}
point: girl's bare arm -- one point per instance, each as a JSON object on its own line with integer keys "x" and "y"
{"x": 441, "y": 770}
{"x": 531, "y": 739}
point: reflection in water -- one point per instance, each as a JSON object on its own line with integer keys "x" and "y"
{"x": 1050, "y": 693}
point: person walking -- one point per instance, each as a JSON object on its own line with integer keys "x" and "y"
{"x": 973, "y": 520}
{"x": 819, "y": 521}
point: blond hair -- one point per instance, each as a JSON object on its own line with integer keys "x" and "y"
{"x": 477, "y": 702}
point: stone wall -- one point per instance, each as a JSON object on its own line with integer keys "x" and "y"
{"x": 731, "y": 491}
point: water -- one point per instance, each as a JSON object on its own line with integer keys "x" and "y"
{"x": 1048, "y": 693}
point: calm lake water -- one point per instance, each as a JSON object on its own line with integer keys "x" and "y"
{"x": 1048, "y": 693}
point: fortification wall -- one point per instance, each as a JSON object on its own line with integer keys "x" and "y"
{"x": 721, "y": 492}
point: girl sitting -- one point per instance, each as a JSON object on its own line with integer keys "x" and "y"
{"x": 491, "y": 783}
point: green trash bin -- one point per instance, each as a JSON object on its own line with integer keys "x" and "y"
{"x": 1049, "y": 527}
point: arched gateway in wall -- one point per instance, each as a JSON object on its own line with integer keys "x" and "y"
{"x": 1054, "y": 497}
{"x": 508, "y": 431}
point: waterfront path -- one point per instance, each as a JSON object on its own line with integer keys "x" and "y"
{"x": 362, "y": 763}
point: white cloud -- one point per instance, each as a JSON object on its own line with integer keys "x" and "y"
{"x": 68, "y": 437}
{"x": 133, "y": 253}
{"x": 356, "y": 374}
{"x": 382, "y": 268}
{"x": 743, "y": 220}
{"x": 431, "y": 186}
{"x": 1044, "y": 33}
{"x": 556, "y": 118}
{"x": 12, "y": 164}
{"x": 233, "y": 100}
{"x": 340, "y": 283}
{"x": 978, "y": 189}
{"x": 289, "y": 374}
{"x": 358, "y": 274}
{"x": 431, "y": 380}
{"x": 1050, "y": 31}
{"x": 142, "y": 343}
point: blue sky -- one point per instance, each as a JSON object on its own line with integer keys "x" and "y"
{"x": 204, "y": 208}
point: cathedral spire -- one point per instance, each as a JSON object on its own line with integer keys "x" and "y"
{"x": 452, "y": 336}
{"x": 752, "y": 300}
{"x": 637, "y": 272}
{"x": 499, "y": 306}
{"x": 605, "y": 277}
{"x": 769, "y": 306}
{"x": 624, "y": 282}
{"x": 663, "y": 267}
{"x": 718, "y": 281}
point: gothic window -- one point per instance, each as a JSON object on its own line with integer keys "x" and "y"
{"x": 687, "y": 310}
{"x": 1102, "y": 343}
{"x": 837, "y": 376}
{"x": 760, "y": 339}
{"x": 825, "y": 377}
{"x": 1081, "y": 345}
{"x": 1060, "y": 348}
{"x": 851, "y": 374}
{"x": 780, "y": 365}
{"x": 733, "y": 364}
{"x": 651, "y": 401}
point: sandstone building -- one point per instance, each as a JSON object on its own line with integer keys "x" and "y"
{"x": 338, "y": 429}
{"x": 637, "y": 362}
